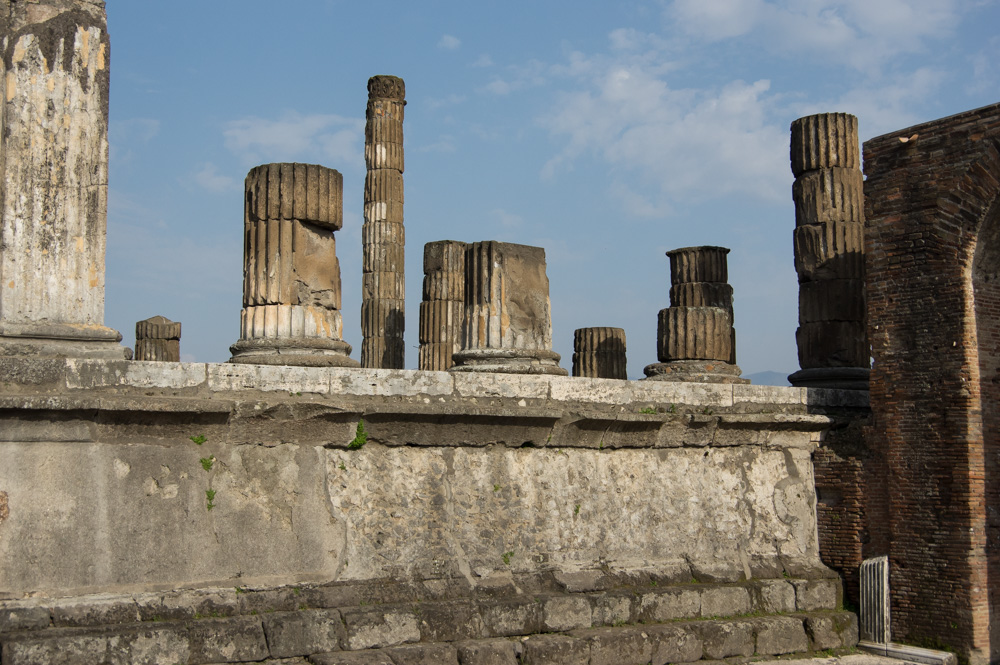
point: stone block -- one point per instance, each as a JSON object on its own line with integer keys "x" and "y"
{"x": 440, "y": 322}
{"x": 388, "y": 382}
{"x": 832, "y": 300}
{"x": 669, "y": 604}
{"x": 824, "y": 632}
{"x": 384, "y": 351}
{"x": 824, "y": 141}
{"x": 94, "y": 611}
{"x": 388, "y": 257}
{"x": 230, "y": 377}
{"x": 383, "y": 317}
{"x": 384, "y": 155}
{"x": 383, "y": 285}
{"x": 501, "y": 385}
{"x": 599, "y": 353}
{"x": 773, "y": 596}
{"x": 447, "y": 256}
{"x": 617, "y": 646}
{"x": 440, "y": 285}
{"x": 829, "y": 251}
{"x": 554, "y": 650}
{"x": 487, "y": 652}
{"x": 724, "y": 639}
{"x": 303, "y": 192}
{"x": 694, "y": 333}
{"x": 228, "y": 640}
{"x": 187, "y": 604}
{"x": 449, "y": 621}
{"x": 366, "y": 629}
{"x": 373, "y": 657}
{"x": 780, "y": 635}
{"x": 424, "y": 654}
{"x": 698, "y": 264}
{"x": 57, "y": 646}
{"x": 702, "y": 294}
{"x": 384, "y": 211}
{"x": 829, "y": 195}
{"x": 158, "y": 339}
{"x": 384, "y": 123}
{"x": 303, "y": 632}
{"x": 24, "y": 617}
{"x": 514, "y": 617}
{"x": 563, "y": 613}
{"x": 673, "y": 644}
{"x": 613, "y": 608}
{"x": 389, "y": 234}
{"x": 725, "y": 601}
{"x": 813, "y": 595}
{"x": 87, "y": 374}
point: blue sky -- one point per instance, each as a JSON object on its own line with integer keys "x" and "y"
{"x": 607, "y": 133}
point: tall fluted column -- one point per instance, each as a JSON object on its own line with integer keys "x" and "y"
{"x": 695, "y": 335}
{"x": 599, "y": 353}
{"x": 382, "y": 236}
{"x": 443, "y": 304}
{"x": 507, "y": 326}
{"x": 829, "y": 252}
{"x": 158, "y": 338}
{"x": 291, "y": 276}
{"x": 54, "y": 149}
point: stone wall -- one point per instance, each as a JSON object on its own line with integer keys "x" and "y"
{"x": 932, "y": 232}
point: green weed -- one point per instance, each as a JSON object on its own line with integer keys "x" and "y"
{"x": 199, "y": 439}
{"x": 360, "y": 437}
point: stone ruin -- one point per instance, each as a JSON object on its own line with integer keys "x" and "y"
{"x": 293, "y": 505}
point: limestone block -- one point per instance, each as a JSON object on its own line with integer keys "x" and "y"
{"x": 724, "y": 601}
{"x": 290, "y": 262}
{"x": 611, "y": 609}
{"x": 440, "y": 285}
{"x": 158, "y": 338}
{"x": 384, "y": 196}
{"x": 93, "y": 611}
{"x": 383, "y": 233}
{"x": 566, "y": 613}
{"x": 384, "y": 122}
{"x": 724, "y": 639}
{"x": 487, "y": 652}
{"x": 388, "y": 256}
{"x": 555, "y": 650}
{"x": 832, "y": 300}
{"x": 674, "y": 644}
{"x": 231, "y": 639}
{"x": 444, "y": 256}
{"x": 441, "y": 322}
{"x": 304, "y": 192}
{"x": 780, "y": 635}
{"x": 832, "y": 631}
{"x": 383, "y": 286}
{"x": 813, "y": 595}
{"x": 617, "y": 646}
{"x": 670, "y": 604}
{"x": 423, "y": 654}
{"x": 302, "y": 632}
{"x": 284, "y": 321}
{"x": 23, "y": 618}
{"x": 829, "y": 251}
{"x": 823, "y": 141}
{"x": 384, "y": 155}
{"x": 366, "y": 657}
{"x": 832, "y": 344}
{"x": 599, "y": 353}
{"x": 450, "y": 621}
{"x": 504, "y": 618}
{"x": 367, "y": 629}
{"x": 702, "y": 294}
{"x": 829, "y": 195}
{"x": 698, "y": 264}
{"x": 694, "y": 333}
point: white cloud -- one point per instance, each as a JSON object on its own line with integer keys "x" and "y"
{"x": 529, "y": 75}
{"x": 482, "y": 61}
{"x": 208, "y": 177}
{"x": 507, "y": 220}
{"x": 449, "y": 42}
{"x": 333, "y": 140}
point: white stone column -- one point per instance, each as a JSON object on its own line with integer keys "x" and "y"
{"x": 54, "y": 163}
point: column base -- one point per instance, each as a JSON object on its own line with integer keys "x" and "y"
{"x": 62, "y": 340}
{"x": 842, "y": 378}
{"x": 294, "y": 351}
{"x": 694, "y": 371}
{"x": 508, "y": 361}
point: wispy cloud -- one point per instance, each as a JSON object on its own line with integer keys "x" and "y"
{"x": 331, "y": 139}
{"x": 482, "y": 61}
{"x": 208, "y": 177}
{"x": 449, "y": 42}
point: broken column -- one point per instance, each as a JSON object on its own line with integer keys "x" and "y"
{"x": 158, "y": 338}
{"x": 55, "y": 169}
{"x": 599, "y": 353}
{"x": 443, "y": 304}
{"x": 829, "y": 252}
{"x": 695, "y": 335}
{"x": 507, "y": 324}
{"x": 291, "y": 276}
{"x": 382, "y": 236}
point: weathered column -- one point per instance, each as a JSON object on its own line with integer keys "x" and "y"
{"x": 695, "y": 335}
{"x": 382, "y": 237}
{"x": 507, "y": 325}
{"x": 829, "y": 252}
{"x": 158, "y": 338}
{"x": 599, "y": 353}
{"x": 291, "y": 276}
{"x": 54, "y": 184}
{"x": 443, "y": 304}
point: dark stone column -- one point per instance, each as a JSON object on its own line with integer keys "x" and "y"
{"x": 599, "y": 353}
{"x": 158, "y": 338}
{"x": 443, "y": 304}
{"x": 829, "y": 253}
{"x": 695, "y": 335}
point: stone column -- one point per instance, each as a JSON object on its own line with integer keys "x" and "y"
{"x": 507, "y": 325}
{"x": 829, "y": 252}
{"x": 382, "y": 237}
{"x": 291, "y": 276}
{"x": 695, "y": 336}
{"x": 443, "y": 304}
{"x": 54, "y": 184}
{"x": 599, "y": 353}
{"x": 158, "y": 338}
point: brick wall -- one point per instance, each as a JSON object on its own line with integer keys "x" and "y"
{"x": 928, "y": 198}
